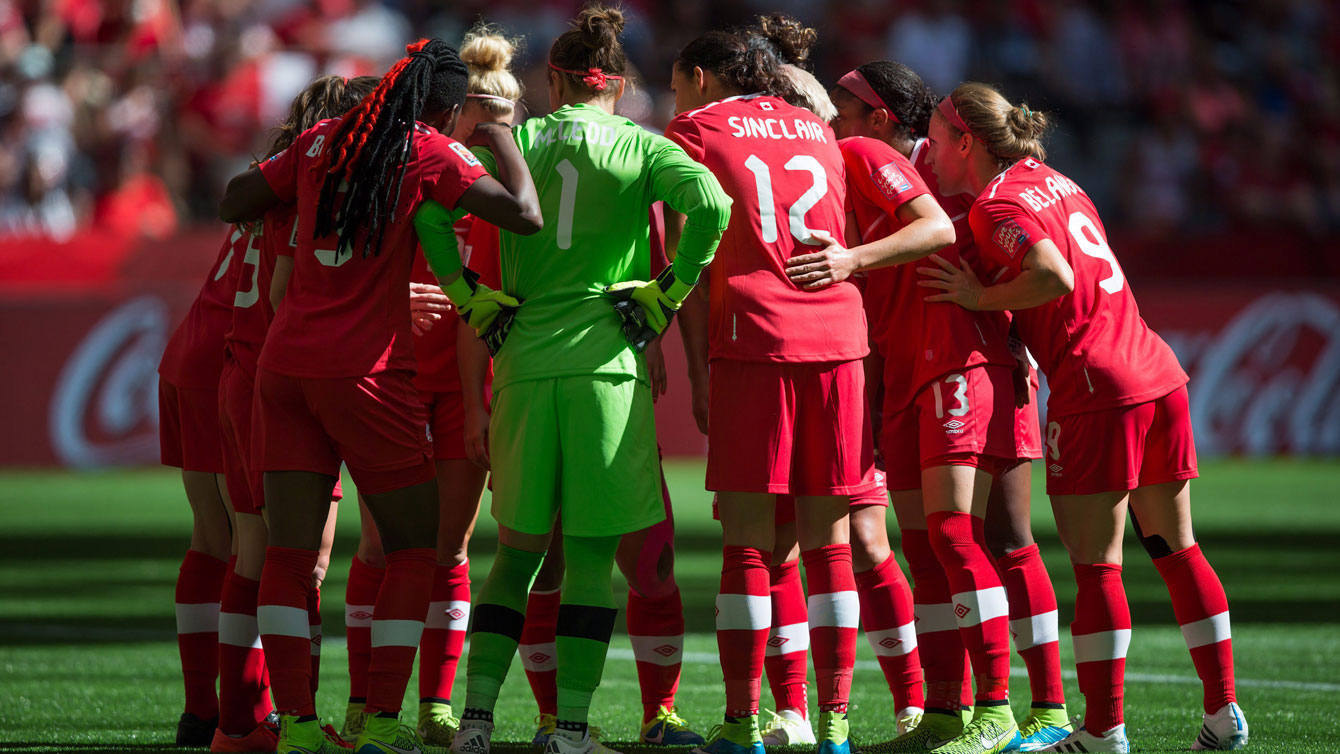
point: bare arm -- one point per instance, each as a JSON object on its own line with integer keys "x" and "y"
{"x": 279, "y": 282}
{"x": 674, "y": 228}
{"x": 510, "y": 202}
{"x": 248, "y": 197}
{"x": 1044, "y": 276}
{"x": 693, "y": 317}
{"x": 926, "y": 229}
{"x": 472, "y": 358}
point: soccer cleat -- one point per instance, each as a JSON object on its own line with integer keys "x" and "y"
{"x": 261, "y": 740}
{"x": 669, "y": 729}
{"x": 787, "y": 728}
{"x": 193, "y": 731}
{"x": 908, "y": 718}
{"x": 834, "y": 733}
{"x": 473, "y": 737}
{"x": 935, "y": 729}
{"x": 545, "y": 725}
{"x": 560, "y": 742}
{"x": 1225, "y": 730}
{"x": 734, "y": 737}
{"x": 1042, "y": 728}
{"x": 354, "y": 717}
{"x": 1083, "y": 741}
{"x": 385, "y": 735}
{"x": 437, "y": 725}
{"x": 305, "y": 738}
{"x": 988, "y": 734}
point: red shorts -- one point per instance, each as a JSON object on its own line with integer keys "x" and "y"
{"x": 236, "y": 389}
{"x": 1121, "y": 448}
{"x": 961, "y": 419}
{"x": 797, "y": 428}
{"x": 188, "y": 428}
{"x": 375, "y": 423}
{"x": 446, "y": 419}
{"x": 1027, "y": 432}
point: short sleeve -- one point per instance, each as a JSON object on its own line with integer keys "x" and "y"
{"x": 885, "y": 178}
{"x": 482, "y": 245}
{"x": 281, "y": 171}
{"x": 1003, "y": 232}
{"x": 684, "y": 132}
{"x": 457, "y": 168}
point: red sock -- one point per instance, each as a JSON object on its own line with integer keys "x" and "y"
{"x": 199, "y": 583}
{"x": 397, "y": 626}
{"x": 1101, "y": 633}
{"x": 979, "y": 601}
{"x": 835, "y": 617}
{"x": 444, "y": 632}
{"x": 656, "y": 630}
{"x": 1033, "y": 622}
{"x": 786, "y": 659}
{"x": 1201, "y": 608}
{"x": 314, "y": 631}
{"x": 537, "y": 650}
{"x": 360, "y": 596}
{"x": 281, "y": 616}
{"x": 244, "y": 685}
{"x": 943, "y": 658}
{"x": 890, "y": 625}
{"x": 743, "y": 616}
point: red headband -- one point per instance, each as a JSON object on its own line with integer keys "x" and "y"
{"x": 592, "y": 77}
{"x": 950, "y": 113}
{"x": 854, "y": 82}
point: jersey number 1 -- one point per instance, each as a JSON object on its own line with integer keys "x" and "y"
{"x": 767, "y": 205}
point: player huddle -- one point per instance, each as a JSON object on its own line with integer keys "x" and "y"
{"x": 863, "y": 278}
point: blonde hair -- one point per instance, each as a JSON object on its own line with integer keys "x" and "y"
{"x": 1007, "y": 131}
{"x": 804, "y": 90}
{"x": 488, "y": 55}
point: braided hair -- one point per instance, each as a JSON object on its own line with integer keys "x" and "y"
{"x": 369, "y": 150}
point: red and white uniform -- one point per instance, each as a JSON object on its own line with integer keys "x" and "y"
{"x": 188, "y": 375}
{"x": 787, "y": 385}
{"x": 336, "y": 371}
{"x": 1117, "y": 415}
{"x": 948, "y": 392}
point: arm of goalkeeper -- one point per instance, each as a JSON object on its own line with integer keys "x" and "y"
{"x": 489, "y": 312}
{"x": 646, "y": 308}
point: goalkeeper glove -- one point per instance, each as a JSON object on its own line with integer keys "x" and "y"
{"x": 489, "y": 312}
{"x": 646, "y": 308}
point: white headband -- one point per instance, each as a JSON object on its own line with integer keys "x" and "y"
{"x": 492, "y": 97}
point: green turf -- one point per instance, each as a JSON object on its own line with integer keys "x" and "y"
{"x": 88, "y": 661}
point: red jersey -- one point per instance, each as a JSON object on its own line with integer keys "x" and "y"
{"x": 193, "y": 357}
{"x": 435, "y": 350}
{"x": 346, "y": 314}
{"x": 781, "y": 166}
{"x": 252, "y": 312}
{"x": 919, "y": 341}
{"x": 1092, "y": 344}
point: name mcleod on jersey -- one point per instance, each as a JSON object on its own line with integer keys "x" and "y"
{"x": 576, "y": 130}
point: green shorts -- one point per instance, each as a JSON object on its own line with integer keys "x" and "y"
{"x": 583, "y": 448}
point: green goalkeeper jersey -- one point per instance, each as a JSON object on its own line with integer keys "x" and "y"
{"x": 597, "y": 176}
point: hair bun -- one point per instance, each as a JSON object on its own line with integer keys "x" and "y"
{"x": 600, "y": 26}
{"x": 1027, "y": 125}
{"x": 485, "y": 49}
{"x": 791, "y": 38}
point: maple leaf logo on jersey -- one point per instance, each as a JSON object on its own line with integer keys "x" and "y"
{"x": 891, "y": 181}
{"x": 1009, "y": 237}
{"x": 464, "y": 153}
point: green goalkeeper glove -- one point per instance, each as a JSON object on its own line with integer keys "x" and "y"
{"x": 646, "y": 308}
{"x": 489, "y": 312}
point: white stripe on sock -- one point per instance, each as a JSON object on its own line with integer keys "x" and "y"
{"x": 980, "y": 606}
{"x": 743, "y": 612}
{"x": 784, "y": 640}
{"x": 282, "y": 620}
{"x": 451, "y": 615}
{"x": 1035, "y": 630}
{"x": 396, "y": 633}
{"x": 893, "y": 642}
{"x": 358, "y": 616}
{"x": 315, "y": 635}
{"x": 197, "y": 618}
{"x": 538, "y": 658}
{"x": 935, "y": 617}
{"x": 835, "y": 610}
{"x": 658, "y": 650}
{"x": 1103, "y": 645}
{"x": 239, "y": 630}
{"x": 1212, "y": 630}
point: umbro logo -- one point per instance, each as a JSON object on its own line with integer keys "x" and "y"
{"x": 1055, "y": 468}
{"x": 777, "y": 641}
{"x": 890, "y": 643}
{"x": 539, "y": 658}
{"x": 961, "y": 610}
{"x": 666, "y": 650}
{"x": 317, "y": 640}
{"x": 360, "y": 615}
{"x": 953, "y": 424}
{"x": 456, "y": 613}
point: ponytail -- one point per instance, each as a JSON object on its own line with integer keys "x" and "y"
{"x": 1008, "y": 132}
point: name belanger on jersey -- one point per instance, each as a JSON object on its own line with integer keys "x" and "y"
{"x": 777, "y": 128}
{"x": 1057, "y": 185}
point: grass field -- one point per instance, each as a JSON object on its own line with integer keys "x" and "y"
{"x": 88, "y": 659}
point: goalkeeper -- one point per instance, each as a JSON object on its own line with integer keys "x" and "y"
{"x": 572, "y": 432}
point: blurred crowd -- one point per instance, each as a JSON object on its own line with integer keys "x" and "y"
{"x": 1178, "y": 116}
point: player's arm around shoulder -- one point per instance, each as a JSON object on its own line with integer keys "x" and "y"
{"x": 509, "y": 201}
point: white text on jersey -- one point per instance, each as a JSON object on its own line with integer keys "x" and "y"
{"x": 1057, "y": 186}
{"x": 776, "y": 128}
{"x": 577, "y": 130}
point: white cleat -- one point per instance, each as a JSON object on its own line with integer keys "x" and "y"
{"x": 908, "y": 718}
{"x": 787, "y": 728}
{"x": 473, "y": 737}
{"x": 561, "y": 743}
{"x": 1083, "y": 741}
{"x": 1225, "y": 730}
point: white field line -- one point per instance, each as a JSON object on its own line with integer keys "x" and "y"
{"x": 85, "y": 633}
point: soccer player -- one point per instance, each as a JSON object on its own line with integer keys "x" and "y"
{"x": 244, "y": 693}
{"x": 1118, "y": 429}
{"x": 572, "y": 433}
{"x": 491, "y": 95}
{"x": 335, "y": 375}
{"x": 787, "y": 409}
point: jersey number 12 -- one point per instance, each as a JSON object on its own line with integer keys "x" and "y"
{"x": 767, "y": 205}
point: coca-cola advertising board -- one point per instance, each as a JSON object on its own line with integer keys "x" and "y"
{"x": 79, "y": 384}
